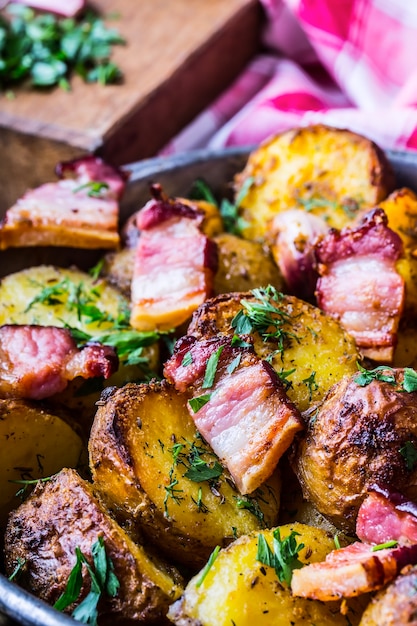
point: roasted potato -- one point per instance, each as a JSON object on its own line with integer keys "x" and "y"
{"x": 358, "y": 437}
{"x": 244, "y": 265}
{"x": 401, "y": 210}
{"x": 316, "y": 350}
{"x": 53, "y": 296}
{"x": 239, "y": 589}
{"x": 145, "y": 457}
{"x": 315, "y": 168}
{"x": 394, "y": 605}
{"x": 35, "y": 444}
{"x": 64, "y": 514}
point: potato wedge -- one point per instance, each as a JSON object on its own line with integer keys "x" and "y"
{"x": 145, "y": 457}
{"x": 316, "y": 353}
{"x": 401, "y": 210}
{"x": 64, "y": 514}
{"x": 244, "y": 265}
{"x": 35, "y": 444}
{"x": 315, "y": 168}
{"x": 239, "y": 589}
{"x": 53, "y": 296}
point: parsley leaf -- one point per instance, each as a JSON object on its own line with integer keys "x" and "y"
{"x": 410, "y": 380}
{"x": 264, "y": 316}
{"x": 47, "y": 49}
{"x": 367, "y": 376}
{"x": 103, "y": 581}
{"x": 197, "y": 403}
{"x": 387, "y": 544}
{"x": 208, "y": 566}
{"x": 409, "y": 453}
{"x": 199, "y": 470}
{"x": 284, "y": 555}
{"x": 211, "y": 368}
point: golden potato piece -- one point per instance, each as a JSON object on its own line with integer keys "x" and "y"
{"x": 333, "y": 173}
{"x": 118, "y": 269}
{"x": 64, "y": 514}
{"x": 358, "y": 437}
{"x": 394, "y": 605}
{"x": 54, "y": 296}
{"x": 244, "y": 265}
{"x": 35, "y": 444}
{"x": 401, "y": 210}
{"x": 239, "y": 589}
{"x": 316, "y": 351}
{"x": 152, "y": 467}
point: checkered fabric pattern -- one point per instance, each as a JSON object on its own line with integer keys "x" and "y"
{"x": 347, "y": 63}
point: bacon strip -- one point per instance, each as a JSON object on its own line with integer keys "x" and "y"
{"x": 248, "y": 420}
{"x": 38, "y": 361}
{"x": 384, "y": 516}
{"x": 174, "y": 266}
{"x": 359, "y": 284}
{"x": 67, "y": 212}
{"x": 351, "y": 571}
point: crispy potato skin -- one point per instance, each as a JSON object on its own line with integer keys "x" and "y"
{"x": 35, "y": 443}
{"x": 244, "y": 265}
{"x": 239, "y": 589}
{"x": 314, "y": 168}
{"x": 59, "y": 516}
{"x": 318, "y": 354}
{"x": 394, "y": 605}
{"x": 353, "y": 441}
{"x": 132, "y": 463}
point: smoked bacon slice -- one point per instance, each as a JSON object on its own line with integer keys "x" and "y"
{"x": 360, "y": 286}
{"x": 351, "y": 571}
{"x": 385, "y": 515}
{"x": 174, "y": 266}
{"x": 78, "y": 212}
{"x": 238, "y": 405}
{"x": 38, "y": 361}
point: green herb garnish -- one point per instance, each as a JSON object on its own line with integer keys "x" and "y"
{"x": 199, "y": 470}
{"x": 18, "y": 569}
{"x": 233, "y": 365}
{"x": 94, "y": 188}
{"x": 251, "y": 505}
{"x": 311, "y": 384}
{"x": 264, "y": 316}
{"x": 208, "y": 566}
{"x": 409, "y": 453}
{"x": 382, "y": 546}
{"x": 48, "y": 50}
{"x": 197, "y": 403}
{"x": 103, "y": 582}
{"x": 211, "y": 368}
{"x": 187, "y": 360}
{"x": 284, "y": 555}
{"x": 367, "y": 376}
{"x": 410, "y": 380}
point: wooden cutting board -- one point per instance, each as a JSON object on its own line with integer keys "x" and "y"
{"x": 179, "y": 55}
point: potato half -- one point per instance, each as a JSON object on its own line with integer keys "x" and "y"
{"x": 239, "y": 589}
{"x": 331, "y": 172}
{"x": 145, "y": 456}
{"x": 64, "y": 514}
{"x": 316, "y": 353}
{"x": 35, "y": 444}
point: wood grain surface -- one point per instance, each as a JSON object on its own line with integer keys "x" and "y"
{"x": 179, "y": 55}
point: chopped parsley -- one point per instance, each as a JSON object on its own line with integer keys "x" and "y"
{"x": 386, "y": 374}
{"x": 382, "y": 546}
{"x": 187, "y": 360}
{"x": 283, "y": 557}
{"x": 251, "y": 505}
{"x": 208, "y": 566}
{"x": 264, "y": 316}
{"x": 233, "y": 365}
{"x": 197, "y": 403}
{"x": 94, "y": 188}
{"x": 48, "y": 50}
{"x": 18, "y": 569}
{"x": 103, "y": 582}
{"x": 409, "y": 453}
{"x": 311, "y": 384}
{"x": 211, "y": 368}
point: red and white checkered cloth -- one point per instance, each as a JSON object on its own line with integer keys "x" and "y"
{"x": 346, "y": 63}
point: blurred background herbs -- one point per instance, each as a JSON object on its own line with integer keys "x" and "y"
{"x": 47, "y": 50}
